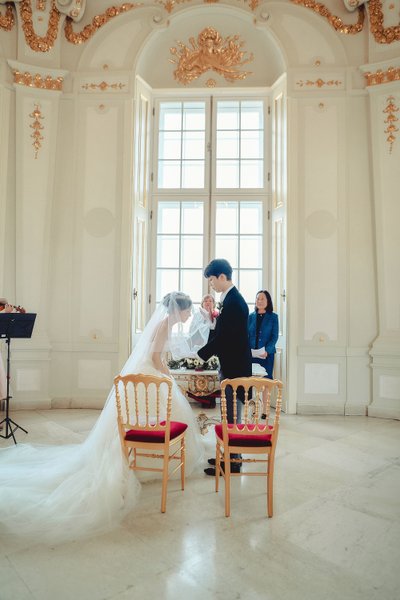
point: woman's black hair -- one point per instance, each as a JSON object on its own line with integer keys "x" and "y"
{"x": 183, "y": 301}
{"x": 270, "y": 306}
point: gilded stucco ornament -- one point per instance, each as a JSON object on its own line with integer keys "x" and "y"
{"x": 379, "y": 77}
{"x": 390, "y": 121}
{"x": 38, "y": 81}
{"x": 335, "y": 21}
{"x": 37, "y": 127}
{"x": 210, "y": 53}
{"x": 7, "y": 19}
{"x": 318, "y": 83}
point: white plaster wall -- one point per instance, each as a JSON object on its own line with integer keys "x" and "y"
{"x": 332, "y": 287}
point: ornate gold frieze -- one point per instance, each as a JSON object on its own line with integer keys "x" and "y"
{"x": 211, "y": 83}
{"x": 7, "y": 20}
{"x": 335, "y": 21}
{"x": 97, "y": 22}
{"x": 37, "y": 128}
{"x": 379, "y": 77}
{"x": 210, "y": 53}
{"x": 103, "y": 86}
{"x": 38, "y": 81}
{"x": 390, "y": 120}
{"x": 318, "y": 82}
{"x": 41, "y": 4}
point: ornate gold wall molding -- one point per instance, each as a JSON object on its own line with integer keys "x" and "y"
{"x": 335, "y": 21}
{"x": 103, "y": 86}
{"x": 210, "y": 52}
{"x": 382, "y": 35}
{"x": 37, "y": 127}
{"x": 379, "y": 77}
{"x": 38, "y": 81}
{"x": 36, "y": 42}
{"x": 97, "y": 22}
{"x": 7, "y": 20}
{"x": 318, "y": 83}
{"x": 390, "y": 120}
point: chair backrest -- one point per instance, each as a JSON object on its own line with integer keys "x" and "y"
{"x": 253, "y": 389}
{"x": 143, "y": 401}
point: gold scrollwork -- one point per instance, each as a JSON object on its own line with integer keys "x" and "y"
{"x": 390, "y": 120}
{"x": 103, "y": 86}
{"x": 210, "y": 52}
{"x": 335, "y": 21}
{"x": 38, "y": 81}
{"x": 7, "y": 20}
{"x": 379, "y": 77}
{"x": 97, "y": 22}
{"x": 319, "y": 82}
{"x": 37, "y": 128}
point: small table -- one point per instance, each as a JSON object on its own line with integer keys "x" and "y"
{"x": 200, "y": 383}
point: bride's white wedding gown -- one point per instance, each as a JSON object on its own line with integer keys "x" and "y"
{"x": 60, "y": 493}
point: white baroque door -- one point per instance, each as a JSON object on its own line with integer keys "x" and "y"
{"x": 278, "y": 223}
{"x": 141, "y": 210}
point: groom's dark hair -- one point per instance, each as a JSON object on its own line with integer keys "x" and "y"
{"x": 217, "y": 267}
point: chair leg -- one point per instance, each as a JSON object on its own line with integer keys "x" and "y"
{"x": 165, "y": 482}
{"x": 270, "y": 488}
{"x": 183, "y": 456}
{"x": 217, "y": 466}
{"x": 227, "y": 477}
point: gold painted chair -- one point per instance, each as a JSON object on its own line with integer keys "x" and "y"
{"x": 146, "y": 432}
{"x": 254, "y": 436}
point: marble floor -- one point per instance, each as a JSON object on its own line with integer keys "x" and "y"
{"x": 335, "y": 534}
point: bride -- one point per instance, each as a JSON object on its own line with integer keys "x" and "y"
{"x": 61, "y": 493}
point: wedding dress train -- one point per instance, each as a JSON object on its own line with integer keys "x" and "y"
{"x": 62, "y": 493}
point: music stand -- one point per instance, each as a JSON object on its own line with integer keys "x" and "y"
{"x": 14, "y": 325}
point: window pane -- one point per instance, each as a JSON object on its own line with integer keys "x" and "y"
{"x": 168, "y": 251}
{"x": 169, "y": 145}
{"x": 227, "y": 247}
{"x": 251, "y": 217}
{"x": 228, "y": 115}
{"x": 167, "y": 281}
{"x": 192, "y": 251}
{"x": 227, "y": 217}
{"x": 169, "y": 174}
{"x": 192, "y": 217}
{"x": 171, "y": 116}
{"x": 193, "y": 145}
{"x": 194, "y": 116}
{"x": 251, "y": 174}
{"x": 193, "y": 174}
{"x": 192, "y": 283}
{"x": 250, "y": 284}
{"x": 250, "y": 252}
{"x": 252, "y": 115}
{"x": 227, "y": 174}
{"x": 168, "y": 217}
{"x": 228, "y": 144}
{"x": 251, "y": 145}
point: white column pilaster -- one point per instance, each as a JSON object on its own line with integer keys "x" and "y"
{"x": 385, "y": 151}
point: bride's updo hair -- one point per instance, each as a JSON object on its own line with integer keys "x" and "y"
{"x": 177, "y": 300}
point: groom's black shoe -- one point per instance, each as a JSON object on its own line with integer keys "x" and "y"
{"x": 235, "y": 468}
{"x": 211, "y": 461}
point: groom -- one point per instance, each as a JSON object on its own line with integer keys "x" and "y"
{"x": 230, "y": 341}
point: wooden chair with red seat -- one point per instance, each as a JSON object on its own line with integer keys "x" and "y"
{"x": 254, "y": 436}
{"x": 146, "y": 431}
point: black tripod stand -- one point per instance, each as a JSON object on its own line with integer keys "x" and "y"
{"x": 14, "y": 325}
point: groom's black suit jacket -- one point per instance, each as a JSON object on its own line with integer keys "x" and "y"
{"x": 231, "y": 341}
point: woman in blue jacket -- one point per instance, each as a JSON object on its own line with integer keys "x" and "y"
{"x": 263, "y": 329}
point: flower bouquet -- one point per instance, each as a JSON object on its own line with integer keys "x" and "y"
{"x": 195, "y": 363}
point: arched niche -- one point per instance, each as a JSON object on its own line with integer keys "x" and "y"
{"x": 280, "y": 35}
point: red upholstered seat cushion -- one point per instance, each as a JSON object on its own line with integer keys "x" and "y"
{"x": 155, "y": 437}
{"x": 241, "y": 439}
